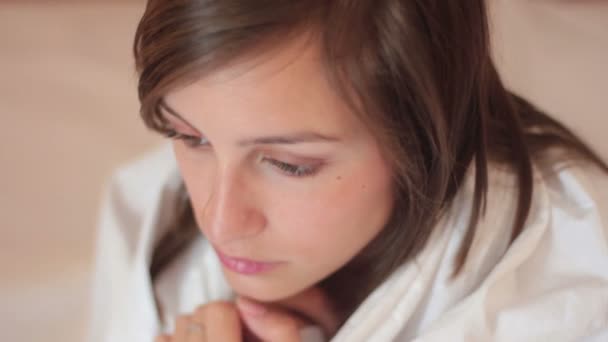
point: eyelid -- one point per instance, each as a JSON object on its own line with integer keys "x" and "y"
{"x": 300, "y": 168}
{"x": 177, "y": 124}
{"x": 190, "y": 140}
{"x": 294, "y": 170}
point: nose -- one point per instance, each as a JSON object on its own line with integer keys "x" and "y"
{"x": 230, "y": 213}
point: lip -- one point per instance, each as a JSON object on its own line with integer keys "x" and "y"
{"x": 245, "y": 266}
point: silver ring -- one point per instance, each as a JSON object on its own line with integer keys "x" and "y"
{"x": 312, "y": 333}
{"x": 195, "y": 327}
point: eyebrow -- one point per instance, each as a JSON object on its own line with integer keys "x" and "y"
{"x": 290, "y": 139}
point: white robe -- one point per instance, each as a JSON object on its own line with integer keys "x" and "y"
{"x": 551, "y": 284}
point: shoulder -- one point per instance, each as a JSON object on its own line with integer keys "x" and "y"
{"x": 576, "y": 189}
{"x": 566, "y": 199}
{"x": 575, "y": 232}
{"x": 556, "y": 272}
{"x": 551, "y": 283}
{"x": 564, "y": 235}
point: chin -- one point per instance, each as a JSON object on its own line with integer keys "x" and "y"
{"x": 261, "y": 288}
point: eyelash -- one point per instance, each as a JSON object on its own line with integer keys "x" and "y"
{"x": 188, "y": 140}
{"x": 290, "y": 169}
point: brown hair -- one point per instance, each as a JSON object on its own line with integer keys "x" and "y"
{"x": 418, "y": 72}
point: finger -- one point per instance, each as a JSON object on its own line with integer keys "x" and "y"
{"x": 163, "y": 338}
{"x": 220, "y": 321}
{"x": 269, "y": 323}
{"x": 315, "y": 305}
{"x": 181, "y": 328}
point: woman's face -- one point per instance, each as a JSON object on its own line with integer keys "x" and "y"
{"x": 285, "y": 181}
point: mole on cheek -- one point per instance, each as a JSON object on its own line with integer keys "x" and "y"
{"x": 339, "y": 178}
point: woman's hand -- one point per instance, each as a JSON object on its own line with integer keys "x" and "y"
{"x": 216, "y": 321}
{"x": 247, "y": 320}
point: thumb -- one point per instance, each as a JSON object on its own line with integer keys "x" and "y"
{"x": 269, "y": 323}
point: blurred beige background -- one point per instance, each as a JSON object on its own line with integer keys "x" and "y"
{"x": 69, "y": 116}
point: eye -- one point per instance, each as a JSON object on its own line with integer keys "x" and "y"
{"x": 189, "y": 140}
{"x": 291, "y": 169}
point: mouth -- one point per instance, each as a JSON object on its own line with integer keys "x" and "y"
{"x": 245, "y": 266}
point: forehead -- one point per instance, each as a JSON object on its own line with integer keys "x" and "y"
{"x": 282, "y": 88}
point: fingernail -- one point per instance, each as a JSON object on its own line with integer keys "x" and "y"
{"x": 251, "y": 308}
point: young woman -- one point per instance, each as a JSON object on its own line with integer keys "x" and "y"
{"x": 352, "y": 166}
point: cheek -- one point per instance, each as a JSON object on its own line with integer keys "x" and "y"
{"x": 333, "y": 224}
